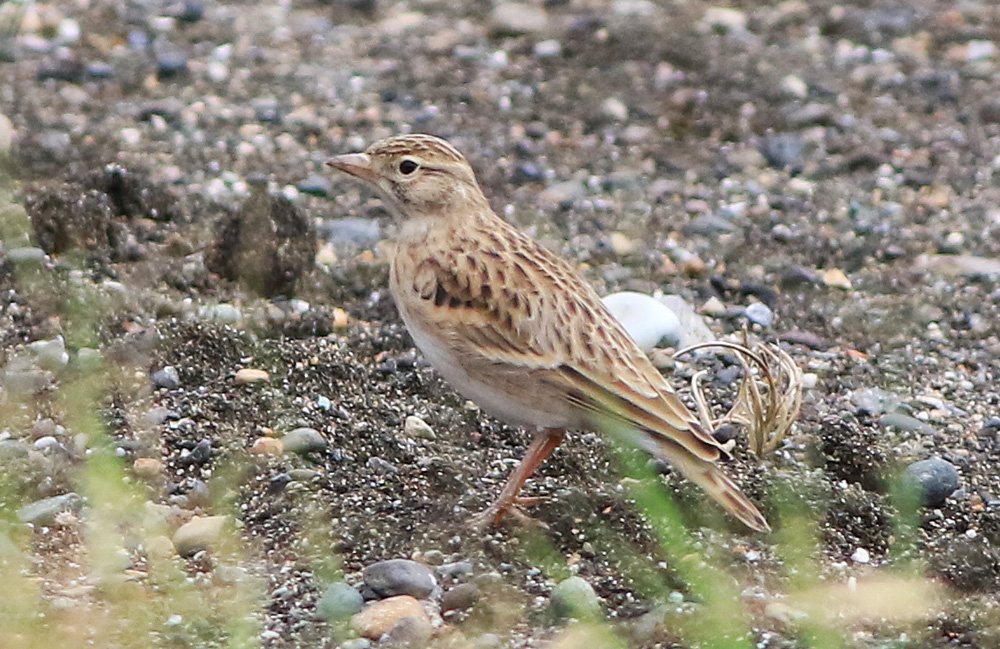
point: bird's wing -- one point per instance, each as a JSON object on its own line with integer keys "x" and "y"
{"x": 507, "y": 301}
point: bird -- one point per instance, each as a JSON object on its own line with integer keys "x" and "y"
{"x": 518, "y": 330}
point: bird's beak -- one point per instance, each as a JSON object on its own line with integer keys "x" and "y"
{"x": 356, "y": 164}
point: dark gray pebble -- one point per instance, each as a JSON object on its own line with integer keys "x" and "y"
{"x": 400, "y": 577}
{"x": 936, "y": 478}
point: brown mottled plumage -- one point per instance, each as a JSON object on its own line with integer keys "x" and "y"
{"x": 516, "y": 329}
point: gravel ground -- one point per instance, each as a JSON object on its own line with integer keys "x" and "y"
{"x": 833, "y": 162}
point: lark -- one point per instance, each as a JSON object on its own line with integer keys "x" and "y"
{"x": 517, "y": 329}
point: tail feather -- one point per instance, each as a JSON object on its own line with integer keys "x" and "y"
{"x": 708, "y": 476}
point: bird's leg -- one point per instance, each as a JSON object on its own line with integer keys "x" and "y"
{"x": 507, "y": 502}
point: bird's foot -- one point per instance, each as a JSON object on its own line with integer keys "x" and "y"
{"x": 492, "y": 515}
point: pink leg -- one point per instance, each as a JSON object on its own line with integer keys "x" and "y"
{"x": 507, "y": 502}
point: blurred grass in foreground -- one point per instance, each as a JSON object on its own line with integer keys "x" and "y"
{"x": 102, "y": 576}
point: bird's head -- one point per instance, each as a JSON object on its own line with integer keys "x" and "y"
{"x": 417, "y": 175}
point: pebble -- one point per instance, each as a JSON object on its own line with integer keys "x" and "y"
{"x": 356, "y": 643}
{"x": 936, "y": 479}
{"x": 455, "y": 571}
{"x": 759, "y": 313}
{"x": 224, "y": 313}
{"x": 835, "y": 278}
{"x": 562, "y": 194}
{"x": 50, "y": 354}
{"x": 171, "y": 64}
{"x": 861, "y": 555}
{"x": 267, "y": 446}
{"x": 907, "y": 423}
{"x": 315, "y": 185}
{"x": 304, "y": 440}
{"x": 614, "y": 109}
{"x": 647, "y": 320}
{"x": 875, "y": 401}
{"x": 27, "y": 256}
{"x": 148, "y": 467}
{"x": 400, "y": 577}
{"x": 380, "y": 466}
{"x": 956, "y": 265}
{"x": 200, "y": 533}
{"x": 166, "y": 378}
{"x": 460, "y": 597}
{"x": 725, "y": 18}
{"x": 6, "y": 135}
{"x": 44, "y": 512}
{"x": 574, "y": 597}
{"x": 378, "y": 618}
{"x": 416, "y": 427}
{"x": 547, "y": 49}
{"x": 358, "y": 232}
{"x": 249, "y": 375}
{"x": 339, "y": 601}
{"x": 519, "y": 18}
{"x": 784, "y": 151}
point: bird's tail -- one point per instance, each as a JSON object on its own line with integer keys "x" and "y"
{"x": 708, "y": 476}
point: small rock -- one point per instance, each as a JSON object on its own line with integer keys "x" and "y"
{"x": 694, "y": 329}
{"x": 460, "y": 597}
{"x": 794, "y": 86}
{"x": 935, "y": 478}
{"x": 418, "y": 428}
{"x": 200, "y": 533}
{"x": 167, "y": 378}
{"x": 380, "y": 466}
{"x": 200, "y": 454}
{"x": 875, "y": 401}
{"x": 614, "y": 109}
{"x": 400, "y": 577}
{"x": 861, "y": 555}
{"x": 6, "y": 135}
{"x": 759, "y": 313}
{"x": 574, "y": 597}
{"x": 907, "y": 423}
{"x": 835, "y": 278}
{"x": 267, "y": 446}
{"x": 784, "y": 151}
{"x": 562, "y": 194}
{"x": 339, "y": 602}
{"x": 378, "y": 618}
{"x": 725, "y": 19}
{"x": 315, "y": 186}
{"x": 248, "y": 375}
{"x": 27, "y": 256}
{"x": 955, "y": 265}
{"x": 356, "y": 643}
{"x": 50, "y": 354}
{"x": 519, "y": 18}
{"x": 44, "y": 512}
{"x": 148, "y": 467}
{"x": 171, "y": 64}
{"x": 547, "y": 49}
{"x": 304, "y": 440}
{"x": 647, "y": 320}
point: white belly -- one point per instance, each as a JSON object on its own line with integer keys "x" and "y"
{"x": 512, "y": 409}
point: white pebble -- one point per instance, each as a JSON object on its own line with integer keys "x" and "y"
{"x": 645, "y": 318}
{"x": 861, "y": 555}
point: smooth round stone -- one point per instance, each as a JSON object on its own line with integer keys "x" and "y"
{"x": 460, "y": 597}
{"x": 899, "y": 421}
{"x": 27, "y": 256}
{"x": 166, "y": 378}
{"x": 339, "y": 602}
{"x": 378, "y": 618}
{"x": 645, "y": 318}
{"x": 315, "y": 186}
{"x": 574, "y": 597}
{"x": 400, "y": 577}
{"x": 50, "y": 354}
{"x": 199, "y": 534}
{"x": 935, "y": 478}
{"x": 759, "y": 313}
{"x": 304, "y": 440}
{"x": 171, "y": 64}
{"x": 416, "y": 427}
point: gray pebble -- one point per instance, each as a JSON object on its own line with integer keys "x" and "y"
{"x": 400, "y": 577}
{"x": 457, "y": 571}
{"x": 410, "y": 632}
{"x": 50, "y": 354}
{"x": 166, "y": 378}
{"x": 356, "y": 643}
{"x": 574, "y": 597}
{"x": 936, "y": 478}
{"x": 759, "y": 313}
{"x": 356, "y": 231}
{"x": 43, "y": 512}
{"x": 315, "y": 186}
{"x": 171, "y": 64}
{"x": 907, "y": 423}
{"x": 304, "y": 440}
{"x": 784, "y": 151}
{"x": 380, "y": 466}
{"x": 339, "y": 602}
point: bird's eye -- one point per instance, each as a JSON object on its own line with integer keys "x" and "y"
{"x": 407, "y": 167}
